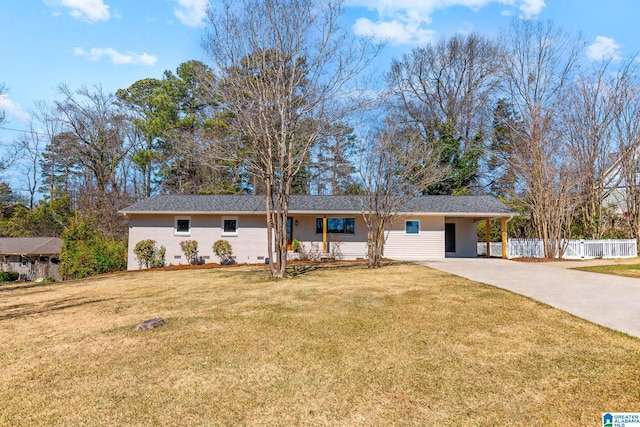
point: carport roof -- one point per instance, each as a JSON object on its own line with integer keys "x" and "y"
{"x": 483, "y": 206}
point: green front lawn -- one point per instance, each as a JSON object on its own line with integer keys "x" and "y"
{"x": 627, "y": 268}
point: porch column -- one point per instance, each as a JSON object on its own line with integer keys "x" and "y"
{"x": 504, "y": 236}
{"x": 324, "y": 234}
{"x": 488, "y": 236}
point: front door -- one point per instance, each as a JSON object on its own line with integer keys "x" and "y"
{"x": 289, "y": 233}
{"x": 449, "y": 237}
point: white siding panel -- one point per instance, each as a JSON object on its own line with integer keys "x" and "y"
{"x": 428, "y": 244}
{"x": 466, "y": 238}
{"x": 249, "y": 244}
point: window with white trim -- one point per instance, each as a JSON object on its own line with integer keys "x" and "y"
{"x": 412, "y": 226}
{"x": 229, "y": 226}
{"x": 182, "y": 226}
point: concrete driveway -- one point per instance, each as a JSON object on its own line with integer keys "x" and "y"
{"x": 608, "y": 300}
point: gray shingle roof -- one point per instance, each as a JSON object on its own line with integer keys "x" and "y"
{"x": 482, "y": 205}
{"x": 30, "y": 246}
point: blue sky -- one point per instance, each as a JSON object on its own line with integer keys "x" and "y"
{"x": 113, "y": 43}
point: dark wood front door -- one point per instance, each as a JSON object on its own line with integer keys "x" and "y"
{"x": 289, "y": 233}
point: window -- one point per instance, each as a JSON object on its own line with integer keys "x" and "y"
{"x": 24, "y": 262}
{"x": 229, "y": 226}
{"x": 337, "y": 225}
{"x": 412, "y": 227}
{"x": 183, "y": 226}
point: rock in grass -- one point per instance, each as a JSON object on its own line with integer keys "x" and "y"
{"x": 150, "y": 324}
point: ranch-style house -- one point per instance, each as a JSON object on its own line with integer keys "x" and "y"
{"x": 427, "y": 227}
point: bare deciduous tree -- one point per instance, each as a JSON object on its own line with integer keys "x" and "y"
{"x": 286, "y": 72}
{"x": 447, "y": 90}
{"x": 94, "y": 128}
{"x": 29, "y": 148}
{"x": 3, "y": 90}
{"x": 53, "y": 162}
{"x": 591, "y": 105}
{"x": 627, "y": 131}
{"x": 537, "y": 66}
{"x": 397, "y": 165}
{"x": 4, "y": 161}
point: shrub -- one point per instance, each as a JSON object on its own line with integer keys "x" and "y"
{"x": 223, "y": 250}
{"x": 190, "y": 250}
{"x": 159, "y": 259}
{"x": 9, "y": 276}
{"x": 312, "y": 254}
{"x": 87, "y": 251}
{"x": 112, "y": 256}
{"x": 336, "y": 251}
{"x": 296, "y": 245}
{"x": 148, "y": 254}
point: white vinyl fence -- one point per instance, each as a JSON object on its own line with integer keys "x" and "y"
{"x": 575, "y": 249}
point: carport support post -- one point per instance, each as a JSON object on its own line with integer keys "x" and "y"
{"x": 504, "y": 236}
{"x": 488, "y": 237}
{"x": 324, "y": 234}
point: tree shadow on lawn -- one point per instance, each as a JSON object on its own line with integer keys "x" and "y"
{"x": 24, "y": 310}
{"x": 22, "y": 285}
{"x": 298, "y": 268}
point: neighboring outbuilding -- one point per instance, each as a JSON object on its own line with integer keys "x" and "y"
{"x": 428, "y": 227}
{"x": 32, "y": 257}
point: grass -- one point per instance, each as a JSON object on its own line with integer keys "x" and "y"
{"x": 403, "y": 345}
{"x": 626, "y": 268}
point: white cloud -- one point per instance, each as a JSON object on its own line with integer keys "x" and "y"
{"x": 85, "y": 10}
{"x": 407, "y": 21}
{"x": 394, "y": 31}
{"x": 531, "y": 8}
{"x": 96, "y": 54}
{"x": 603, "y": 48}
{"x": 13, "y": 109}
{"x": 191, "y": 12}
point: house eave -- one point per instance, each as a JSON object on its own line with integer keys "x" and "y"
{"x": 485, "y": 215}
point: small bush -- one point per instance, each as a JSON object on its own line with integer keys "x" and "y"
{"x": 159, "y": 259}
{"x": 190, "y": 250}
{"x": 296, "y": 245}
{"x": 313, "y": 253}
{"x": 9, "y": 276}
{"x": 224, "y": 251}
{"x": 148, "y": 254}
{"x": 336, "y": 251}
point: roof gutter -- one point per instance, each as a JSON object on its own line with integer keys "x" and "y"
{"x": 324, "y": 212}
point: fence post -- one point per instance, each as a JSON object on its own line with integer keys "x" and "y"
{"x": 581, "y": 248}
